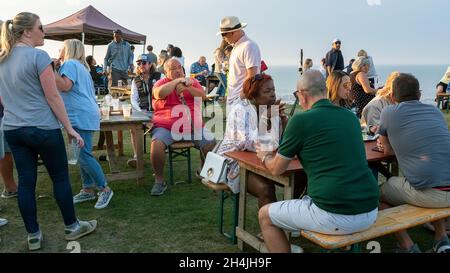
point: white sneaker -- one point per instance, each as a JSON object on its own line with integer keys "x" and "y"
{"x": 3, "y": 222}
{"x": 296, "y": 249}
{"x": 103, "y": 199}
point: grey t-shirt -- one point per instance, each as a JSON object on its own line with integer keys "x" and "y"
{"x": 420, "y": 139}
{"x": 21, "y": 91}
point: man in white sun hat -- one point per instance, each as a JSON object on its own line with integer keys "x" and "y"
{"x": 245, "y": 59}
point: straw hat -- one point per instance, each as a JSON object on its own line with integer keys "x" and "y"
{"x": 230, "y": 24}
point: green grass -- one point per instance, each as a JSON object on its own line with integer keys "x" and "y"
{"x": 184, "y": 219}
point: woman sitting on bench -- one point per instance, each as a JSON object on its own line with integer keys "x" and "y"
{"x": 242, "y": 133}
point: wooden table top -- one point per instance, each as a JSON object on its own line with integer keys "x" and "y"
{"x": 136, "y": 117}
{"x": 250, "y": 158}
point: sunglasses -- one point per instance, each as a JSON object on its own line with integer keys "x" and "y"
{"x": 257, "y": 77}
{"x": 41, "y": 28}
{"x": 143, "y": 63}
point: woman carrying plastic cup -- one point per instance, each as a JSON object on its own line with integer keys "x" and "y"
{"x": 33, "y": 112}
{"x": 77, "y": 91}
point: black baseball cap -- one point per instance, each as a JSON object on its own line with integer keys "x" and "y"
{"x": 118, "y": 31}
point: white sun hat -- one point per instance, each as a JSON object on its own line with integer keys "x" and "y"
{"x": 230, "y": 24}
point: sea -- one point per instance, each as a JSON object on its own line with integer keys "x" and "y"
{"x": 285, "y": 78}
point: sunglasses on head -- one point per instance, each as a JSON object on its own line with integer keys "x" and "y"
{"x": 257, "y": 77}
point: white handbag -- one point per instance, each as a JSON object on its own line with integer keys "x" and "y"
{"x": 215, "y": 168}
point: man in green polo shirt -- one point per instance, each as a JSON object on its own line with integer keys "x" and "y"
{"x": 342, "y": 193}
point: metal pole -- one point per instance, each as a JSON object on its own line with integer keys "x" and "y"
{"x": 82, "y": 38}
{"x": 301, "y": 62}
{"x": 300, "y": 70}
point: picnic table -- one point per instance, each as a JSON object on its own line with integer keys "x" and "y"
{"x": 249, "y": 162}
{"x": 119, "y": 123}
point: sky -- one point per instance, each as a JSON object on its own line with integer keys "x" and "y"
{"x": 393, "y": 32}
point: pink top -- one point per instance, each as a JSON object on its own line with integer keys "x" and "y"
{"x": 170, "y": 111}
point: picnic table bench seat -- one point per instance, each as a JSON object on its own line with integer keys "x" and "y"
{"x": 388, "y": 221}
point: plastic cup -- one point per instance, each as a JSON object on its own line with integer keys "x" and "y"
{"x": 73, "y": 152}
{"x": 115, "y": 104}
{"x": 265, "y": 143}
{"x": 107, "y": 99}
{"x": 105, "y": 112}
{"x": 119, "y": 83}
{"x": 126, "y": 109}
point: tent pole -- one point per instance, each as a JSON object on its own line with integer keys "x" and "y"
{"x": 92, "y": 50}
{"x": 143, "y": 49}
{"x": 82, "y": 37}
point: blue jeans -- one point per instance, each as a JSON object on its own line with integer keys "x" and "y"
{"x": 91, "y": 171}
{"x": 26, "y": 144}
{"x": 222, "y": 84}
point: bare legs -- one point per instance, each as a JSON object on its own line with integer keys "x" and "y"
{"x": 274, "y": 237}
{"x": 6, "y": 172}
{"x": 158, "y": 158}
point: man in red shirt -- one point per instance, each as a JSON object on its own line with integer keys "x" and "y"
{"x": 172, "y": 122}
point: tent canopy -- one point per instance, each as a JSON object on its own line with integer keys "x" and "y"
{"x": 97, "y": 28}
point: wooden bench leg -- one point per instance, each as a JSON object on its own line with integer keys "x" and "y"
{"x": 120, "y": 142}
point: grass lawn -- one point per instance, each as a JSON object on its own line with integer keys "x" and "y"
{"x": 184, "y": 219}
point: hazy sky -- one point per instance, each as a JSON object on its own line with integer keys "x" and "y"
{"x": 391, "y": 31}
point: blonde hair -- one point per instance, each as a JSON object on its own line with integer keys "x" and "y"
{"x": 12, "y": 31}
{"x": 362, "y": 53}
{"x": 359, "y": 63}
{"x": 386, "y": 91}
{"x": 74, "y": 49}
{"x": 334, "y": 82}
{"x": 307, "y": 65}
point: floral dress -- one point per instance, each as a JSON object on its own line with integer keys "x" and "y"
{"x": 240, "y": 135}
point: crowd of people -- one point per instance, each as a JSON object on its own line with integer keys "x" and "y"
{"x": 40, "y": 95}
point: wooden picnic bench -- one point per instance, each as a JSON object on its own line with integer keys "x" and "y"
{"x": 388, "y": 221}
{"x": 249, "y": 162}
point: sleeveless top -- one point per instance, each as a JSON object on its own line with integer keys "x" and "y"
{"x": 361, "y": 98}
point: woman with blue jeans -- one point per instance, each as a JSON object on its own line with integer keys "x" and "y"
{"x": 33, "y": 110}
{"x": 75, "y": 82}
{"x": 3, "y": 221}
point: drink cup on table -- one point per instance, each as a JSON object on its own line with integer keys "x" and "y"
{"x": 115, "y": 104}
{"x": 105, "y": 112}
{"x": 266, "y": 143}
{"x": 126, "y": 109}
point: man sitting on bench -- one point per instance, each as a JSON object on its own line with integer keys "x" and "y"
{"x": 342, "y": 192}
{"x": 418, "y": 135}
{"x": 171, "y": 118}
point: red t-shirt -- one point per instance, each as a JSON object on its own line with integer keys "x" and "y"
{"x": 172, "y": 105}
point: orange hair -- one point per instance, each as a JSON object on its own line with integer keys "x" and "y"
{"x": 253, "y": 85}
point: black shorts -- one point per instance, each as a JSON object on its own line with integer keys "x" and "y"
{"x": 443, "y": 85}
